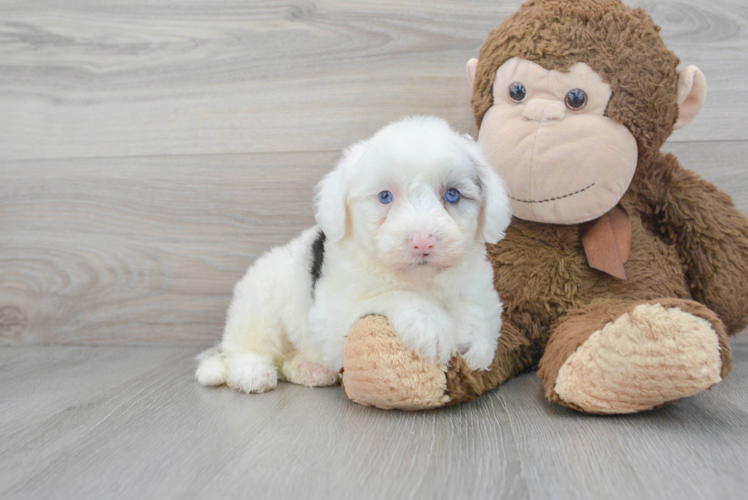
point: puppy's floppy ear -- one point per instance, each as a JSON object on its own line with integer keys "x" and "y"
{"x": 330, "y": 209}
{"x": 330, "y": 200}
{"x": 497, "y": 211}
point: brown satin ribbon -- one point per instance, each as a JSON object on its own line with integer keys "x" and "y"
{"x": 607, "y": 242}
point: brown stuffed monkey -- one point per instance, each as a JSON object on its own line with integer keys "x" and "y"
{"x": 622, "y": 274}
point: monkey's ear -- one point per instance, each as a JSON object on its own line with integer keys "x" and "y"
{"x": 691, "y": 95}
{"x": 472, "y": 65}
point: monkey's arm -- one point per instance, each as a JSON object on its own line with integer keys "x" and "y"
{"x": 712, "y": 239}
{"x": 380, "y": 371}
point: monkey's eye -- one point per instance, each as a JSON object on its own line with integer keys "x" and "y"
{"x": 385, "y": 197}
{"x": 452, "y": 196}
{"x": 576, "y": 99}
{"x": 517, "y": 92}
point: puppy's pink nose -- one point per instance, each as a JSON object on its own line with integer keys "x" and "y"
{"x": 422, "y": 244}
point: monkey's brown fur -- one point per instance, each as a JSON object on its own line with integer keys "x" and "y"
{"x": 689, "y": 243}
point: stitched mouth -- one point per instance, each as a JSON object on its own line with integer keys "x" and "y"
{"x": 553, "y": 199}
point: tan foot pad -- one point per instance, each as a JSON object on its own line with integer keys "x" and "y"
{"x": 380, "y": 371}
{"x": 305, "y": 371}
{"x": 643, "y": 359}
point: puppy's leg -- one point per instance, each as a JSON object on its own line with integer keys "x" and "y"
{"x": 251, "y": 372}
{"x": 251, "y": 353}
{"x": 424, "y": 326}
{"x": 478, "y": 333}
{"x": 266, "y": 319}
{"x": 306, "y": 368}
{"x": 254, "y": 335}
{"x": 476, "y": 309}
{"x": 245, "y": 361}
{"x": 248, "y": 372}
{"x": 211, "y": 370}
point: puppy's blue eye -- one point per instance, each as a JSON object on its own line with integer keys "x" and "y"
{"x": 452, "y": 196}
{"x": 385, "y": 197}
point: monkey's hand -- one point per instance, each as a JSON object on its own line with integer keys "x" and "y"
{"x": 712, "y": 240}
{"x": 379, "y": 370}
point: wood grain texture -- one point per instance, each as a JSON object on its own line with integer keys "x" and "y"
{"x": 130, "y": 422}
{"x": 695, "y": 448}
{"x": 150, "y": 150}
{"x": 138, "y": 78}
{"x": 141, "y": 249}
{"x": 147, "y": 250}
{"x": 147, "y": 430}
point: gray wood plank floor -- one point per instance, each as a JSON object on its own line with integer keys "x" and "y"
{"x": 130, "y": 422}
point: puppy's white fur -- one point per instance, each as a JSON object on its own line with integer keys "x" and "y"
{"x": 440, "y": 301}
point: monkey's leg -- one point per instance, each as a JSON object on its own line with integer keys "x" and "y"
{"x": 380, "y": 371}
{"x": 615, "y": 357}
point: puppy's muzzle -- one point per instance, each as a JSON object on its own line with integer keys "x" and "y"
{"x": 422, "y": 245}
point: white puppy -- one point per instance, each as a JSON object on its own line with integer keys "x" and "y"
{"x": 403, "y": 220}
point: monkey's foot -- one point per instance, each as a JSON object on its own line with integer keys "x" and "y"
{"x": 644, "y": 358}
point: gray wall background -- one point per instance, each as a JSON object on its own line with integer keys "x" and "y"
{"x": 150, "y": 150}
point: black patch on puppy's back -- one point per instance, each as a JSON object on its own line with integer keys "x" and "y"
{"x": 318, "y": 258}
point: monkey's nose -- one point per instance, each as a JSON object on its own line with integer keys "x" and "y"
{"x": 541, "y": 110}
{"x": 422, "y": 244}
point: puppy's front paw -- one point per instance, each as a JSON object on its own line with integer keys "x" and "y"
{"x": 477, "y": 343}
{"x": 430, "y": 332}
{"x": 251, "y": 373}
{"x": 476, "y": 356}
